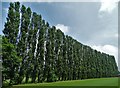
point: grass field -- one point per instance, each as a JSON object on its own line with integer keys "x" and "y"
{"x": 88, "y": 82}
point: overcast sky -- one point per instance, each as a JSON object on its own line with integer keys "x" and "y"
{"x": 91, "y": 23}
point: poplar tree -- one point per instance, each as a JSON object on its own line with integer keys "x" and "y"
{"x": 22, "y": 44}
{"x": 34, "y": 46}
{"x": 28, "y": 43}
{"x": 46, "y": 47}
{"x": 41, "y": 50}
{"x": 59, "y": 53}
{"x": 65, "y": 58}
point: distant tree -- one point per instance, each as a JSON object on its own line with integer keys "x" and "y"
{"x": 59, "y": 53}
{"x": 65, "y": 59}
{"x": 52, "y": 75}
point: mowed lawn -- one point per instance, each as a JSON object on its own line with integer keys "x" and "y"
{"x": 87, "y": 82}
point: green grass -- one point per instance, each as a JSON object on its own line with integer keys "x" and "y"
{"x": 87, "y": 82}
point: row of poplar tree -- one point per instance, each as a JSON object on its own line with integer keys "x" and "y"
{"x": 33, "y": 51}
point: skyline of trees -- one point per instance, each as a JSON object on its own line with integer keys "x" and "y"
{"x": 36, "y": 52}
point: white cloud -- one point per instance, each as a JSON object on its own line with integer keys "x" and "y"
{"x": 116, "y": 35}
{"x": 108, "y": 5}
{"x": 109, "y": 49}
{"x": 63, "y": 28}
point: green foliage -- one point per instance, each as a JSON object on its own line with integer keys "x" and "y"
{"x": 52, "y": 77}
{"x": 10, "y": 61}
